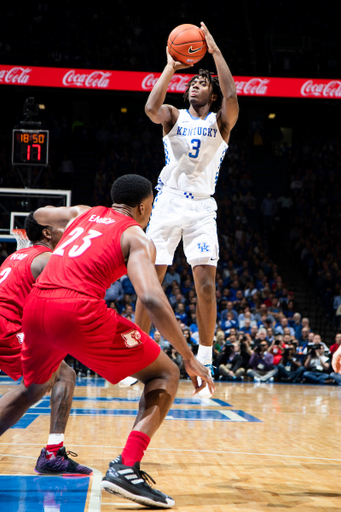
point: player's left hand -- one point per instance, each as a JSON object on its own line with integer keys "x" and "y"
{"x": 336, "y": 361}
{"x": 195, "y": 369}
{"x": 211, "y": 44}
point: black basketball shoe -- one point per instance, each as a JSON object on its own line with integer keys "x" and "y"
{"x": 132, "y": 483}
{"x": 60, "y": 465}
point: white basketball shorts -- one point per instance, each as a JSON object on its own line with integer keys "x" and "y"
{"x": 179, "y": 215}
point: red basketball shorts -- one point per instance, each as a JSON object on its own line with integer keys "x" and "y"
{"x": 10, "y": 348}
{"x": 61, "y": 322}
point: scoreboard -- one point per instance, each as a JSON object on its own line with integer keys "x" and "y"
{"x": 30, "y": 147}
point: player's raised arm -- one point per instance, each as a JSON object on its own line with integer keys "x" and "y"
{"x": 155, "y": 108}
{"x": 228, "y": 114}
{"x": 58, "y": 217}
{"x": 141, "y": 271}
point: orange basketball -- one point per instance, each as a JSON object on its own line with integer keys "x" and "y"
{"x": 187, "y": 44}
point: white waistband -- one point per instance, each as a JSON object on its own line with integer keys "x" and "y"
{"x": 187, "y": 195}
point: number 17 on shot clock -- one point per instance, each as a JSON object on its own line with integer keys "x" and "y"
{"x": 30, "y": 147}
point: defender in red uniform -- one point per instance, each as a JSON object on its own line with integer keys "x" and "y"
{"x": 17, "y": 276}
{"x": 66, "y": 313}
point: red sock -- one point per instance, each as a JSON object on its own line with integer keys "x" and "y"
{"x": 137, "y": 443}
{"x": 52, "y": 449}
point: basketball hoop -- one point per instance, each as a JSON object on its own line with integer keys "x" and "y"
{"x": 21, "y": 237}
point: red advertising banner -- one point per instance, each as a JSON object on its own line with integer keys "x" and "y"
{"x": 94, "y": 79}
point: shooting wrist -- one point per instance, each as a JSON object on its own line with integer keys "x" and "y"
{"x": 216, "y": 52}
{"x": 169, "y": 69}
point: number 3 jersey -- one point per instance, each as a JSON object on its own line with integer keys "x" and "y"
{"x": 88, "y": 258}
{"x": 194, "y": 151}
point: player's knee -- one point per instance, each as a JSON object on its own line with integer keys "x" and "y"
{"x": 206, "y": 290}
{"x": 173, "y": 376}
{"x": 67, "y": 374}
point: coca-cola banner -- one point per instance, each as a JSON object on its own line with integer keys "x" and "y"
{"x": 140, "y": 81}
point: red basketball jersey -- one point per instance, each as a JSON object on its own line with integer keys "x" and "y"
{"x": 16, "y": 281}
{"x": 88, "y": 258}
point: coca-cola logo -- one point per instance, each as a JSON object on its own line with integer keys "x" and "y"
{"x": 178, "y": 83}
{"x": 96, "y": 79}
{"x": 330, "y": 89}
{"x": 15, "y": 75}
{"x": 254, "y": 86}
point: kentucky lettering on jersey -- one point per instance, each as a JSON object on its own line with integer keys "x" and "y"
{"x": 188, "y": 132}
{"x": 194, "y": 150}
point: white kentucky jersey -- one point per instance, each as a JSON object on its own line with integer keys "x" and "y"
{"x": 194, "y": 151}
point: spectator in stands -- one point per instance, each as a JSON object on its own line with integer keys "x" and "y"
{"x": 230, "y": 322}
{"x": 171, "y": 276}
{"x": 335, "y": 345}
{"x": 229, "y": 307}
{"x": 270, "y": 335}
{"x": 230, "y": 361}
{"x": 114, "y": 293}
{"x": 295, "y": 323}
{"x": 246, "y": 329}
{"x": 275, "y": 309}
{"x": 160, "y": 340}
{"x": 261, "y": 362}
{"x": 128, "y": 312}
{"x": 304, "y": 337}
{"x": 180, "y": 312}
{"x": 305, "y": 323}
{"x": 317, "y": 366}
{"x": 246, "y": 315}
{"x": 290, "y": 368}
{"x": 276, "y": 349}
{"x": 284, "y": 324}
{"x": 190, "y": 340}
{"x": 264, "y": 310}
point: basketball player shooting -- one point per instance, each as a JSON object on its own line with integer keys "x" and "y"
{"x": 17, "y": 276}
{"x": 195, "y": 142}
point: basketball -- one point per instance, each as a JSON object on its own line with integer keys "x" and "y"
{"x": 187, "y": 44}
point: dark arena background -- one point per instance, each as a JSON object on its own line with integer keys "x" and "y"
{"x": 79, "y": 75}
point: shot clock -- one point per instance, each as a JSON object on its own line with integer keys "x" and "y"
{"x": 30, "y": 147}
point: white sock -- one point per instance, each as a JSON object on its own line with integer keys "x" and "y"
{"x": 55, "y": 439}
{"x": 204, "y": 353}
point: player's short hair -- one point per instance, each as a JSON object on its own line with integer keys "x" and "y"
{"x": 131, "y": 189}
{"x": 34, "y": 230}
{"x": 212, "y": 80}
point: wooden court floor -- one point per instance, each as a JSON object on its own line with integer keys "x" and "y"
{"x": 262, "y": 447}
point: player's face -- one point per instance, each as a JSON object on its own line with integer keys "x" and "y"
{"x": 200, "y": 91}
{"x": 148, "y": 206}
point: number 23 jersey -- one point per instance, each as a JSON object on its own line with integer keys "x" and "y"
{"x": 88, "y": 258}
{"x": 194, "y": 151}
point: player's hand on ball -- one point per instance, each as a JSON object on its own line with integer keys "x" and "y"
{"x": 175, "y": 63}
{"x": 336, "y": 361}
{"x": 211, "y": 44}
{"x": 195, "y": 370}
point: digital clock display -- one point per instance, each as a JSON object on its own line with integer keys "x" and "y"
{"x": 30, "y": 147}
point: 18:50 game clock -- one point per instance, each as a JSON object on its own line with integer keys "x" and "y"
{"x": 30, "y": 147}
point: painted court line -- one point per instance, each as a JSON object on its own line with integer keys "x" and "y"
{"x": 278, "y": 455}
{"x": 95, "y": 493}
